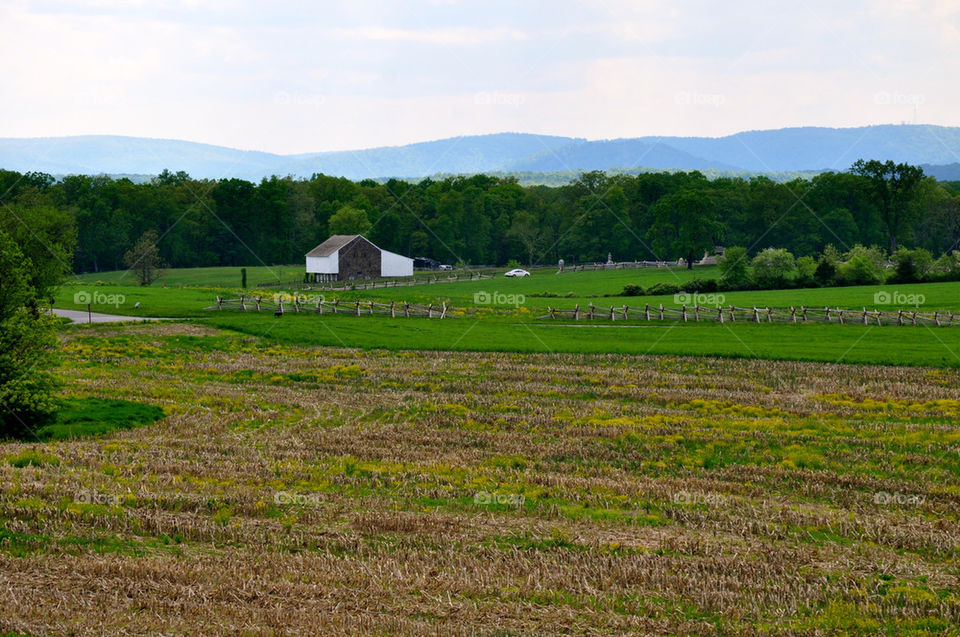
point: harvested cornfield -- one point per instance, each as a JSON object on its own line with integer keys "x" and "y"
{"x": 322, "y": 491}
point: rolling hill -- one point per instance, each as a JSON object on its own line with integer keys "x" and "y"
{"x": 781, "y": 150}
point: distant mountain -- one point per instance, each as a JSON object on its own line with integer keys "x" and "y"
{"x": 946, "y": 172}
{"x": 782, "y": 150}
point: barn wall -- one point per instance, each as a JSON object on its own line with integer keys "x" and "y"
{"x": 395, "y": 265}
{"x": 359, "y": 259}
{"x": 322, "y": 265}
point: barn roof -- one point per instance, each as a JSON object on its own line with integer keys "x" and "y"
{"x": 333, "y": 244}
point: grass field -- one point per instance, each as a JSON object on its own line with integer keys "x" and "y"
{"x": 318, "y": 490}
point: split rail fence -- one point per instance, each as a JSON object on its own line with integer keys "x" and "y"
{"x": 357, "y": 308}
{"x": 733, "y": 314}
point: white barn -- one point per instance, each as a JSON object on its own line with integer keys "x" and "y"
{"x": 345, "y": 257}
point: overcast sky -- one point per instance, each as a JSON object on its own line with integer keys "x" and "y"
{"x": 292, "y": 77}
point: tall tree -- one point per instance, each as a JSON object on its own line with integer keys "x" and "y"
{"x": 144, "y": 258}
{"x": 894, "y": 187}
{"x": 684, "y": 225}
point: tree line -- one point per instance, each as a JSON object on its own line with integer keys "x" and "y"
{"x": 485, "y": 220}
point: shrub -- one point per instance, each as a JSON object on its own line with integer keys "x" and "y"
{"x": 911, "y": 266}
{"x": 632, "y": 290}
{"x": 864, "y": 266}
{"x": 774, "y": 268}
{"x": 806, "y": 269}
{"x": 826, "y": 272}
{"x": 733, "y": 269}
{"x": 698, "y": 286}
{"x": 661, "y": 289}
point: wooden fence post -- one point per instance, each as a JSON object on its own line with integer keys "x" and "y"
{"x": 769, "y": 319}
{"x": 443, "y": 314}
{"x": 611, "y": 314}
{"x": 899, "y": 317}
{"x": 320, "y": 305}
{"x": 590, "y": 315}
{"x": 756, "y": 314}
{"x": 661, "y": 311}
{"x": 280, "y": 308}
{"x": 626, "y": 312}
{"x": 576, "y": 312}
{"x": 393, "y": 312}
{"x": 793, "y": 314}
{"x": 646, "y": 311}
{"x": 683, "y": 312}
{"x": 336, "y": 302}
{"x": 219, "y": 303}
{"x": 696, "y": 313}
{"x": 242, "y": 305}
{"x": 406, "y": 310}
{"x": 720, "y": 314}
{"x": 803, "y": 312}
{"x": 733, "y": 314}
{"x": 259, "y": 298}
{"x": 430, "y": 311}
{"x": 840, "y": 315}
{"x": 936, "y": 318}
{"x": 371, "y": 307}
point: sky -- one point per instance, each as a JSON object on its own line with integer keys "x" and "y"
{"x": 298, "y": 77}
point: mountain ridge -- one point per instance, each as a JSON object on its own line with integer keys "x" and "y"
{"x": 808, "y": 148}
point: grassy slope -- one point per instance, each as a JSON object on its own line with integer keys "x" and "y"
{"x": 815, "y": 342}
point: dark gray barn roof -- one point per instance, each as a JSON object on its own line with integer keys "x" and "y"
{"x": 333, "y": 244}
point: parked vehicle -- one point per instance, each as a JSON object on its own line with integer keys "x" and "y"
{"x": 517, "y": 272}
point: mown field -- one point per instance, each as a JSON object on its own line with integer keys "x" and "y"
{"x": 301, "y": 489}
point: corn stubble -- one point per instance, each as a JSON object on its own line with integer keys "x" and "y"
{"x": 325, "y": 491}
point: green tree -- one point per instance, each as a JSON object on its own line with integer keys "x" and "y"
{"x": 144, "y": 258}
{"x": 527, "y": 231}
{"x": 349, "y": 220}
{"x": 27, "y": 342}
{"x": 733, "y": 268}
{"x": 684, "y": 225}
{"x": 894, "y": 187}
{"x": 774, "y": 268}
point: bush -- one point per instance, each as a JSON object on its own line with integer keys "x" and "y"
{"x": 826, "y": 273}
{"x": 911, "y": 266}
{"x": 864, "y": 266}
{"x": 774, "y": 268}
{"x": 632, "y": 290}
{"x": 698, "y": 286}
{"x": 733, "y": 269}
{"x": 806, "y": 269}
{"x": 661, "y": 289}
{"x": 947, "y": 267}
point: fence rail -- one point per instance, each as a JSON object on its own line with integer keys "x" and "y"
{"x": 336, "y": 306}
{"x": 683, "y": 313}
{"x": 626, "y": 265}
{"x": 732, "y": 314}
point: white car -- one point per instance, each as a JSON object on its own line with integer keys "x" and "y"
{"x": 517, "y": 272}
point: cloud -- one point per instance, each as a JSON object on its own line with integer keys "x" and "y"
{"x": 304, "y": 76}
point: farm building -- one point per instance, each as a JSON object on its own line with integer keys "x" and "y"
{"x": 345, "y": 257}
